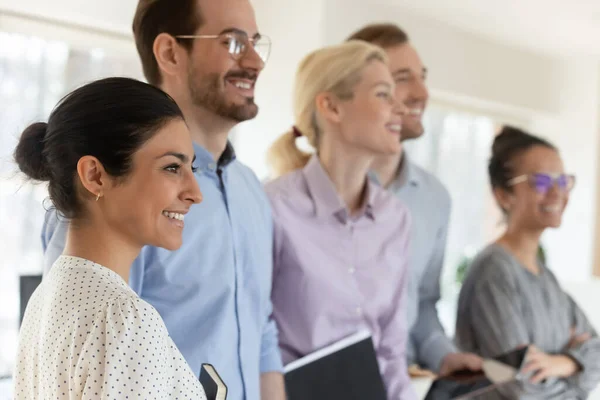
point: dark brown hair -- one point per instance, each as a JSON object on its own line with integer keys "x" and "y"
{"x": 109, "y": 119}
{"x": 510, "y": 143}
{"x": 153, "y": 17}
{"x": 382, "y": 35}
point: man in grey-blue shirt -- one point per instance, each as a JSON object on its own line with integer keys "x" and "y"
{"x": 429, "y": 204}
{"x": 214, "y": 292}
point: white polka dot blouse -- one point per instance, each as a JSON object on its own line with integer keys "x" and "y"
{"x": 87, "y": 335}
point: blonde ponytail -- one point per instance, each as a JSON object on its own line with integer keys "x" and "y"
{"x": 334, "y": 69}
{"x": 284, "y": 156}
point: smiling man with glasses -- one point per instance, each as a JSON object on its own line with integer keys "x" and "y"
{"x": 238, "y": 43}
{"x": 213, "y": 293}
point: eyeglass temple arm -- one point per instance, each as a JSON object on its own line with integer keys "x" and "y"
{"x": 517, "y": 179}
{"x": 197, "y": 36}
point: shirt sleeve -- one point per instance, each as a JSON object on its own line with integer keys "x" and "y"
{"x": 270, "y": 357}
{"x": 54, "y": 237}
{"x": 498, "y": 325}
{"x": 497, "y": 320}
{"x": 394, "y": 334}
{"x": 127, "y": 352}
{"x": 428, "y": 336}
{"x": 587, "y": 354}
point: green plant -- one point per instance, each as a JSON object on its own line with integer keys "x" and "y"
{"x": 542, "y": 254}
{"x": 461, "y": 269}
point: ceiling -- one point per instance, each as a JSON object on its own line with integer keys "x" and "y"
{"x": 555, "y": 26}
{"x": 110, "y": 15}
{"x": 548, "y": 25}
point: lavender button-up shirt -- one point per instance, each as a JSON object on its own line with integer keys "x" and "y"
{"x": 335, "y": 273}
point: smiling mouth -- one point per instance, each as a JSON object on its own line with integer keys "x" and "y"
{"x": 395, "y": 128}
{"x": 174, "y": 215}
{"x": 174, "y": 218}
{"x": 416, "y": 112}
{"x": 555, "y": 209}
{"x": 243, "y": 85}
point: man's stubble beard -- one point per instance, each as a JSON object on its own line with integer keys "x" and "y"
{"x": 207, "y": 92}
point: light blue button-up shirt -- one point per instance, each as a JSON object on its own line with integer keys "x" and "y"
{"x": 214, "y": 293}
{"x": 429, "y": 204}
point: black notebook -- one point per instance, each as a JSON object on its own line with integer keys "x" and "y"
{"x": 345, "y": 370}
{"x": 214, "y": 387}
{"x": 475, "y": 385}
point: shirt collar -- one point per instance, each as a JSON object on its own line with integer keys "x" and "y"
{"x": 325, "y": 198}
{"x": 205, "y": 161}
{"x": 406, "y": 173}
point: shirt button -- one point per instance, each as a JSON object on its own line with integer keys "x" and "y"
{"x": 359, "y": 311}
{"x": 212, "y": 166}
{"x": 351, "y": 270}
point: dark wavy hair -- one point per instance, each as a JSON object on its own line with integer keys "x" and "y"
{"x": 109, "y": 119}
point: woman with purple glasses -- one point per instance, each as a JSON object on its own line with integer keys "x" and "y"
{"x": 510, "y": 298}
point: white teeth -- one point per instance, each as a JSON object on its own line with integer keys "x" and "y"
{"x": 395, "y": 127}
{"x": 243, "y": 85}
{"x": 173, "y": 215}
{"x": 415, "y": 111}
{"x": 551, "y": 209}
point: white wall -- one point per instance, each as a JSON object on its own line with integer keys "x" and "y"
{"x": 113, "y": 17}
{"x": 575, "y": 130}
{"x": 460, "y": 62}
{"x": 75, "y": 35}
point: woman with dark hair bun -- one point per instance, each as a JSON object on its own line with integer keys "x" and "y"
{"x": 510, "y": 298}
{"x": 117, "y": 156}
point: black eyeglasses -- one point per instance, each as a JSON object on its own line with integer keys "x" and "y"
{"x": 238, "y": 44}
{"x": 542, "y": 183}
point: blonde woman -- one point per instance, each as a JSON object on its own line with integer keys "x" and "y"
{"x": 340, "y": 251}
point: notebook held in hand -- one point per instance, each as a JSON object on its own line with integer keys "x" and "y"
{"x": 214, "y": 387}
{"x": 346, "y": 370}
{"x": 475, "y": 385}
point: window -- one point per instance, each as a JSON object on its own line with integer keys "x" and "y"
{"x": 456, "y": 149}
{"x": 34, "y": 75}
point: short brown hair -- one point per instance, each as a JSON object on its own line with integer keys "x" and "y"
{"x": 382, "y": 35}
{"x": 153, "y": 17}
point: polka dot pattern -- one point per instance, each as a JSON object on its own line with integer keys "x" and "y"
{"x": 87, "y": 335}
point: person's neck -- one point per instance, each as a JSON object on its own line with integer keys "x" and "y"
{"x": 524, "y": 245}
{"x": 97, "y": 243}
{"x": 348, "y": 171}
{"x": 387, "y": 167}
{"x": 208, "y": 130}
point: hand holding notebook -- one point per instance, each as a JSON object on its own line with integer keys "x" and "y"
{"x": 467, "y": 385}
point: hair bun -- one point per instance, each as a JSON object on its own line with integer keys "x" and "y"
{"x": 508, "y": 137}
{"x": 29, "y": 153}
